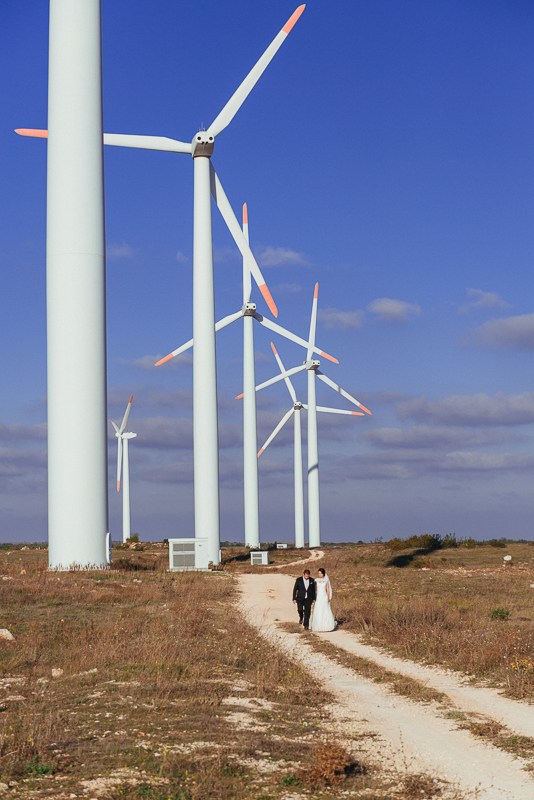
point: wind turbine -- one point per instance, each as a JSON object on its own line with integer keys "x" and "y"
{"x": 76, "y": 288}
{"x": 294, "y": 412}
{"x": 123, "y": 459}
{"x": 206, "y": 450}
{"x": 312, "y": 367}
{"x": 250, "y": 441}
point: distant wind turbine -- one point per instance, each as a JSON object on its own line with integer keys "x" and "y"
{"x": 123, "y": 460}
{"x": 312, "y": 367}
{"x": 294, "y": 412}
{"x": 250, "y": 441}
{"x": 206, "y": 182}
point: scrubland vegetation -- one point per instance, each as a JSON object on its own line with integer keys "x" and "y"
{"x": 141, "y": 683}
{"x": 457, "y": 604}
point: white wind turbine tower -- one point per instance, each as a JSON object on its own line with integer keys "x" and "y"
{"x": 248, "y": 313}
{"x": 312, "y": 367}
{"x": 123, "y": 460}
{"x": 76, "y": 288}
{"x": 206, "y": 449}
{"x": 294, "y": 412}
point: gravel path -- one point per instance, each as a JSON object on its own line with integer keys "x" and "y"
{"x": 419, "y": 738}
{"x": 315, "y": 556}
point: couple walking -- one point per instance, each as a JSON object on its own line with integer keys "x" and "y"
{"x": 305, "y": 592}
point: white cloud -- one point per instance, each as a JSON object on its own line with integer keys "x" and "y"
{"x": 13, "y": 432}
{"x": 181, "y": 257}
{"x": 287, "y": 288}
{"x": 114, "y": 252}
{"x": 408, "y": 464}
{"x": 426, "y": 436}
{"x": 278, "y": 256}
{"x": 393, "y": 310}
{"x": 514, "y": 332}
{"x": 482, "y": 300}
{"x": 333, "y": 318}
{"x": 475, "y": 409}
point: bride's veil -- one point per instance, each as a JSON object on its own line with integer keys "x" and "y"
{"x": 329, "y": 584}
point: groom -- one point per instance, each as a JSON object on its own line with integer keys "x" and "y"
{"x": 303, "y": 597}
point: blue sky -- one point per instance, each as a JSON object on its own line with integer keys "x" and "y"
{"x": 387, "y": 153}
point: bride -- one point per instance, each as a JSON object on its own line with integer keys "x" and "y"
{"x": 323, "y": 619}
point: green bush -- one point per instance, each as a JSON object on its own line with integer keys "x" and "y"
{"x": 500, "y": 613}
{"x": 497, "y": 542}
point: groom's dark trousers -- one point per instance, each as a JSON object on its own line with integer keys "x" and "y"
{"x": 304, "y": 598}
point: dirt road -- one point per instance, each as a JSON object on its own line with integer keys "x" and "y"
{"x": 416, "y": 737}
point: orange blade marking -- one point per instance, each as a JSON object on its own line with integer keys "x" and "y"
{"x": 365, "y": 409}
{"x": 261, "y": 451}
{"x": 274, "y": 349}
{"x": 268, "y": 299}
{"x": 358, "y": 413}
{"x": 239, "y": 396}
{"x": 163, "y": 360}
{"x": 38, "y": 134}
{"x": 330, "y": 358}
{"x": 245, "y": 214}
{"x": 316, "y": 292}
{"x": 293, "y": 19}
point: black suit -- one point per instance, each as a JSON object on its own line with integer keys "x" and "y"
{"x": 304, "y": 598}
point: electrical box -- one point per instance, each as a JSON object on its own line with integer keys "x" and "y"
{"x": 281, "y": 545}
{"x": 188, "y": 554}
{"x": 259, "y": 557}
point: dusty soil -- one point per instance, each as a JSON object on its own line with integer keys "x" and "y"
{"x": 410, "y": 736}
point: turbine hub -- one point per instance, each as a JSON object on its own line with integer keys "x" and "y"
{"x": 297, "y": 405}
{"x": 249, "y": 309}
{"x": 313, "y": 363}
{"x": 202, "y": 144}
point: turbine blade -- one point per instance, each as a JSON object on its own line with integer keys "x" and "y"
{"x": 119, "y": 462}
{"x": 341, "y": 391}
{"x": 223, "y": 204}
{"x": 278, "y": 428}
{"x": 125, "y": 140}
{"x": 273, "y": 326}
{"x": 247, "y": 284}
{"x": 289, "y": 385}
{"x": 281, "y": 377}
{"x": 147, "y": 142}
{"x": 313, "y": 323}
{"x": 339, "y": 411}
{"x": 34, "y": 132}
{"x": 126, "y": 415}
{"x": 218, "y": 326}
{"x": 115, "y": 426}
{"x": 240, "y": 95}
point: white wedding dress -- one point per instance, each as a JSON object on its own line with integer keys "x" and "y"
{"x": 323, "y": 619}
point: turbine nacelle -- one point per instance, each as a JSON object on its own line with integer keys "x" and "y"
{"x": 297, "y": 406}
{"x": 312, "y": 363}
{"x": 249, "y": 309}
{"x": 202, "y": 144}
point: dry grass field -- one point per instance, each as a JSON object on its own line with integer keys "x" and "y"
{"x": 459, "y": 607}
{"x": 141, "y": 683}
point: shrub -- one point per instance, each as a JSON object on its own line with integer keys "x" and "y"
{"x": 497, "y": 542}
{"x": 500, "y": 613}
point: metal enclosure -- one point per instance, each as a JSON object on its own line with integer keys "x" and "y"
{"x": 188, "y": 554}
{"x": 259, "y": 557}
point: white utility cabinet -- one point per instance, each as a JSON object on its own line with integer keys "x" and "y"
{"x": 281, "y": 545}
{"x": 188, "y": 553}
{"x": 259, "y": 557}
